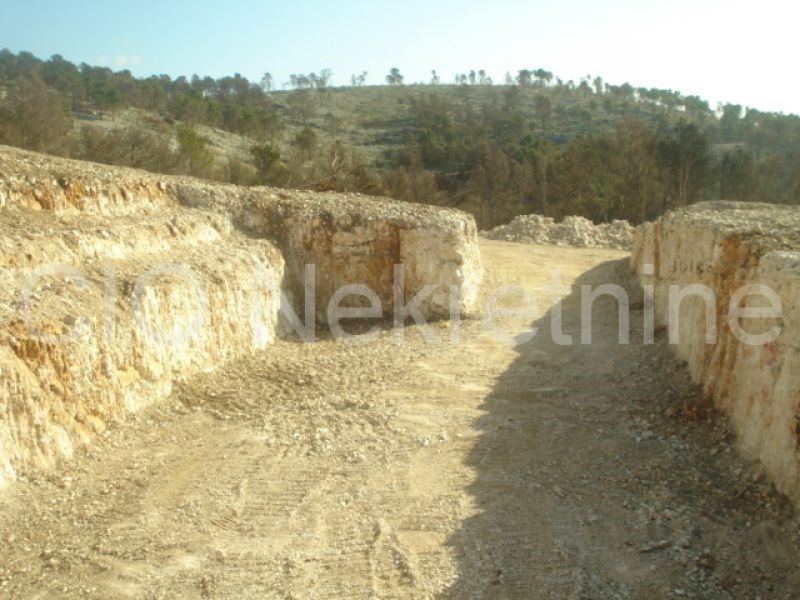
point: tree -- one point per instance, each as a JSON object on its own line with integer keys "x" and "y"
{"x": 512, "y": 99}
{"x": 335, "y": 125}
{"x": 729, "y": 122}
{"x": 267, "y": 82}
{"x": 543, "y": 77}
{"x": 101, "y": 89}
{"x": 303, "y": 105}
{"x": 489, "y": 183}
{"x": 695, "y": 106}
{"x": 394, "y": 77}
{"x": 738, "y": 175}
{"x": 435, "y": 79}
{"x": 524, "y": 77}
{"x": 135, "y": 146}
{"x": 341, "y": 169}
{"x": 543, "y": 109}
{"x": 301, "y": 81}
{"x": 325, "y": 78}
{"x": 539, "y": 154}
{"x": 62, "y": 75}
{"x": 358, "y": 80}
{"x": 36, "y": 118}
{"x": 412, "y": 183}
{"x": 269, "y": 167}
{"x": 196, "y": 156}
{"x": 320, "y": 81}
{"x": 271, "y": 125}
{"x": 685, "y": 156}
{"x": 633, "y": 161}
{"x": 306, "y": 142}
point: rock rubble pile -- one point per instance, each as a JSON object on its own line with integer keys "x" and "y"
{"x": 572, "y": 231}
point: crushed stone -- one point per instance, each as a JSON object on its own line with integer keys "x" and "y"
{"x": 574, "y": 231}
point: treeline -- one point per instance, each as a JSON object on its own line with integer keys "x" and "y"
{"x": 535, "y": 144}
{"x": 499, "y": 160}
{"x": 41, "y": 102}
{"x": 230, "y": 103}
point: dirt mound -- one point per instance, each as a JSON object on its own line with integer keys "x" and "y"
{"x": 572, "y": 231}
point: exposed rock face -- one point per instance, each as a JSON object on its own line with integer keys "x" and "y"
{"x": 754, "y": 380}
{"x": 572, "y": 231}
{"x": 116, "y": 282}
{"x": 359, "y": 240}
{"x": 41, "y": 182}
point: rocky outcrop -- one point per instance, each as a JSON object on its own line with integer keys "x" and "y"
{"x": 354, "y": 239}
{"x": 361, "y": 240}
{"x": 117, "y": 282}
{"x": 752, "y": 368}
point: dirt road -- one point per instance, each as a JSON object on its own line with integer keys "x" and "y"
{"x": 416, "y": 470}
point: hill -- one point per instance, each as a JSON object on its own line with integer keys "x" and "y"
{"x": 535, "y": 144}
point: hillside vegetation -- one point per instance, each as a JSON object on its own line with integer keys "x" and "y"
{"x": 535, "y": 144}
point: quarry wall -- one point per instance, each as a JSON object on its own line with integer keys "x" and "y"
{"x": 353, "y": 239}
{"x": 115, "y": 283}
{"x": 752, "y": 367}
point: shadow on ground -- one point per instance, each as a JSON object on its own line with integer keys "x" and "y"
{"x": 594, "y": 479}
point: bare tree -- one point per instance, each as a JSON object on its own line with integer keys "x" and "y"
{"x": 358, "y": 80}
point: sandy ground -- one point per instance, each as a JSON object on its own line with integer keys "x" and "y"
{"x": 413, "y": 470}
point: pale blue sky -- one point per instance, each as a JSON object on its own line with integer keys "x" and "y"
{"x": 736, "y": 51}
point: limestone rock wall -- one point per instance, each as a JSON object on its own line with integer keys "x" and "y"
{"x": 359, "y": 240}
{"x": 755, "y": 382}
{"x": 114, "y": 283}
{"x": 95, "y": 327}
{"x": 41, "y": 182}
{"x": 354, "y": 239}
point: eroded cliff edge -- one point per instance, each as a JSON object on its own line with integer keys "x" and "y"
{"x": 117, "y": 282}
{"x": 752, "y": 368}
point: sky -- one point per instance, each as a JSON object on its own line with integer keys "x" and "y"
{"x": 724, "y": 51}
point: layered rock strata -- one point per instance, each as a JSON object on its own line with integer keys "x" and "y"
{"x": 116, "y": 283}
{"x": 748, "y": 257}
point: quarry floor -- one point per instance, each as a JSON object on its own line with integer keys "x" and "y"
{"x": 415, "y": 470}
